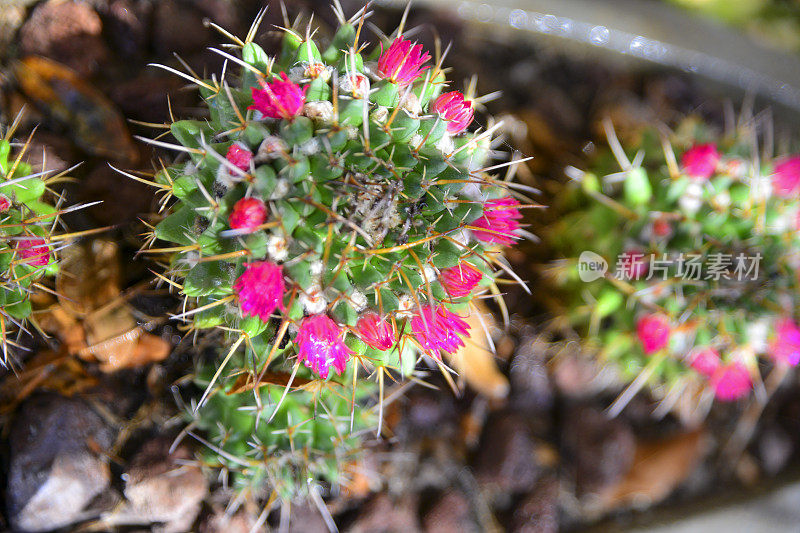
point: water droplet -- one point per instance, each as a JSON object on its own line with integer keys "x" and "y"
{"x": 518, "y": 18}
{"x": 599, "y": 35}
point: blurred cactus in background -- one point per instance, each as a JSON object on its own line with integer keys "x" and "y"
{"x": 335, "y": 218}
{"x": 30, "y": 227}
{"x": 775, "y": 23}
{"x": 699, "y": 233}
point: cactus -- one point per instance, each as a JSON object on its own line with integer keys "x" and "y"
{"x": 30, "y": 239}
{"x": 334, "y": 218}
{"x": 699, "y": 234}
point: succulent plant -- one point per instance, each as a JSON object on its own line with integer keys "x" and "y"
{"x": 680, "y": 267}
{"x": 334, "y": 217}
{"x": 29, "y": 237}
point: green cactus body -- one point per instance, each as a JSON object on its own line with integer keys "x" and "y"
{"x": 702, "y": 252}
{"x": 318, "y": 219}
{"x": 27, "y": 252}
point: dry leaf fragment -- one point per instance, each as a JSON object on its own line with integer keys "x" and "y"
{"x": 475, "y": 361}
{"x": 658, "y": 468}
{"x": 92, "y": 317}
{"x": 92, "y": 120}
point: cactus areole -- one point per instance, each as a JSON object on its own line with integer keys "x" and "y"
{"x": 313, "y": 218}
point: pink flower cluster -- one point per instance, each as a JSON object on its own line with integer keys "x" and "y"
{"x": 653, "y": 332}
{"x": 700, "y": 161}
{"x": 402, "y": 63}
{"x": 459, "y": 280}
{"x": 438, "y": 329}
{"x": 375, "y": 331}
{"x": 247, "y": 214}
{"x": 280, "y": 98}
{"x": 499, "y": 222}
{"x": 33, "y": 251}
{"x": 321, "y": 345}
{"x": 785, "y": 348}
{"x": 239, "y": 157}
{"x": 729, "y": 381}
{"x": 786, "y": 179}
{"x": 455, "y": 110}
{"x": 260, "y": 289}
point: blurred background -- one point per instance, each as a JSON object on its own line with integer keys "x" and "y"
{"x": 528, "y": 444}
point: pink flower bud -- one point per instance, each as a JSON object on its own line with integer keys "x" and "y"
{"x": 5, "y": 203}
{"x": 33, "y": 251}
{"x": 498, "y": 223}
{"x": 453, "y": 108}
{"x": 355, "y": 84}
{"x": 239, "y": 157}
{"x": 459, "y": 280}
{"x": 653, "y": 332}
{"x": 705, "y": 361}
{"x": 375, "y": 331}
{"x": 786, "y": 179}
{"x": 247, "y": 214}
{"x": 786, "y": 346}
{"x": 438, "y": 329}
{"x": 731, "y": 382}
{"x": 402, "y": 62}
{"x": 279, "y": 98}
{"x": 320, "y": 345}
{"x": 662, "y": 228}
{"x": 260, "y": 289}
{"x": 700, "y": 161}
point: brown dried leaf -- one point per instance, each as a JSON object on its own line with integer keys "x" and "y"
{"x": 45, "y": 370}
{"x": 92, "y": 317}
{"x": 658, "y": 468}
{"x": 92, "y": 120}
{"x": 90, "y": 276}
{"x": 245, "y": 381}
{"x": 475, "y": 361}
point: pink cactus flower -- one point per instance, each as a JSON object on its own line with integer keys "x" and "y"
{"x": 700, "y": 161}
{"x": 705, "y": 361}
{"x": 786, "y": 346}
{"x": 33, "y": 251}
{"x": 453, "y": 108}
{"x": 653, "y": 332}
{"x": 498, "y": 223}
{"x": 786, "y": 179}
{"x": 280, "y": 98}
{"x": 459, "y": 280}
{"x": 247, "y": 214}
{"x": 239, "y": 157}
{"x": 731, "y": 382}
{"x": 320, "y": 345}
{"x": 403, "y": 62}
{"x": 438, "y": 329}
{"x": 375, "y": 331}
{"x": 5, "y": 203}
{"x": 260, "y": 289}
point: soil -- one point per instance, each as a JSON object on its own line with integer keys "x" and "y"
{"x": 544, "y": 458}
